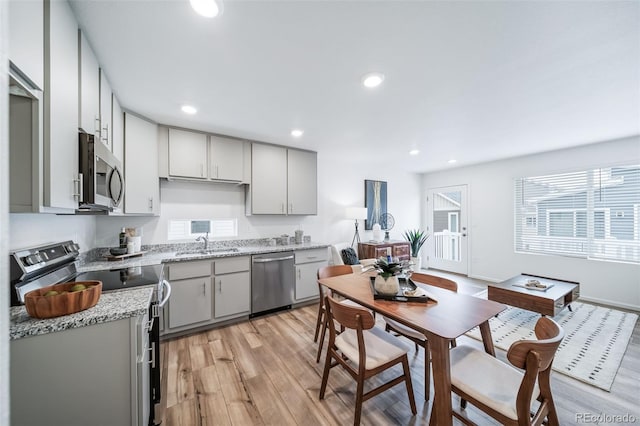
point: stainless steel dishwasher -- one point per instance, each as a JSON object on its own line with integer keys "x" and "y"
{"x": 273, "y": 281}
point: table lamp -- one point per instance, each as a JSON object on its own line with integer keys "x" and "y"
{"x": 356, "y": 213}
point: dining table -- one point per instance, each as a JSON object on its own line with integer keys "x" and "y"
{"x": 446, "y": 316}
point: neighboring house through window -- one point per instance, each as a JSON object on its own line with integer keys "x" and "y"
{"x": 590, "y": 213}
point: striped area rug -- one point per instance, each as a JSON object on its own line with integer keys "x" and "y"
{"x": 595, "y": 339}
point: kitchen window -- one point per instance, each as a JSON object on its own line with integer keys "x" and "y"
{"x": 589, "y": 213}
{"x": 190, "y": 229}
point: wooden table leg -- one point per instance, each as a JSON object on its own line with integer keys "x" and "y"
{"x": 441, "y": 364}
{"x": 485, "y": 331}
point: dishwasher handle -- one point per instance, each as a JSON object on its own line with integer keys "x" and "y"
{"x": 274, "y": 259}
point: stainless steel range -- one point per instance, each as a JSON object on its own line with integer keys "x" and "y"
{"x": 50, "y": 264}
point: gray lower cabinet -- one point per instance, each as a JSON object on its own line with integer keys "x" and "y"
{"x": 232, "y": 287}
{"x": 191, "y": 301}
{"x": 201, "y": 297}
{"x": 93, "y": 375}
{"x": 307, "y": 264}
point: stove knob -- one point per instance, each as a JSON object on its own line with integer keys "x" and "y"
{"x": 44, "y": 255}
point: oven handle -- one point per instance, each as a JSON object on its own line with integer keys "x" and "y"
{"x": 167, "y": 286}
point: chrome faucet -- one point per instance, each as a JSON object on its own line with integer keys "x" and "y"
{"x": 204, "y": 238}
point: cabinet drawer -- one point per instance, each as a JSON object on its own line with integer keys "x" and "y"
{"x": 311, "y": 255}
{"x": 402, "y": 250}
{"x": 232, "y": 264}
{"x": 178, "y": 271}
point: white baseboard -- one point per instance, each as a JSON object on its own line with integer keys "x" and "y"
{"x": 610, "y": 303}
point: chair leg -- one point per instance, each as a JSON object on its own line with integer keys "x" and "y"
{"x": 427, "y": 371}
{"x": 325, "y": 373}
{"x": 407, "y": 381}
{"x": 359, "y": 396}
{"x": 322, "y": 334}
{"x": 318, "y": 322}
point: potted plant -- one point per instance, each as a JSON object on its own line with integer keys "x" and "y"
{"x": 386, "y": 281}
{"x": 416, "y": 238}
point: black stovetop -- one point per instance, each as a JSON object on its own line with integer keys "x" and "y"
{"x": 123, "y": 278}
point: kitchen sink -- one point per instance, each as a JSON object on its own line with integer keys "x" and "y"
{"x": 207, "y": 251}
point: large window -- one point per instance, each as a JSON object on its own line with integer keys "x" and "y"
{"x": 590, "y": 213}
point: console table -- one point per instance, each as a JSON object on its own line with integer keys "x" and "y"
{"x": 549, "y": 302}
{"x": 371, "y": 250}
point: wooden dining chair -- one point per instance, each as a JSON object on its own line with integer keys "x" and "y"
{"x": 502, "y": 391}
{"x": 416, "y": 337}
{"x": 364, "y": 351}
{"x": 322, "y": 321}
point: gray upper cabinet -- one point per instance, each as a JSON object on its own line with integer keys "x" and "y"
{"x": 187, "y": 154}
{"x": 302, "y": 184}
{"x": 226, "y": 159}
{"x": 283, "y": 181}
{"x": 106, "y": 96}
{"x": 117, "y": 125}
{"x": 268, "y": 179}
{"x": 26, "y": 38}
{"x": 142, "y": 184}
{"x": 89, "y": 113}
{"x": 61, "y": 183}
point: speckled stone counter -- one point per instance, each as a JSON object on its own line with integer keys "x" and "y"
{"x": 112, "y": 306}
{"x": 165, "y": 253}
{"x": 127, "y": 303}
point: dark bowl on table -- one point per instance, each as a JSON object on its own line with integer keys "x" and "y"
{"x": 118, "y": 251}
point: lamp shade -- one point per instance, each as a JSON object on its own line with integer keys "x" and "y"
{"x": 356, "y": 212}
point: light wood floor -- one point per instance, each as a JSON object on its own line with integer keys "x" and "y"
{"x": 263, "y": 371}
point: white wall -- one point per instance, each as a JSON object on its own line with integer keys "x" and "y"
{"x": 491, "y": 225}
{"x": 340, "y": 185}
{"x": 27, "y": 230}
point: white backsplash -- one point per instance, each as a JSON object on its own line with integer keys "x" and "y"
{"x": 28, "y": 230}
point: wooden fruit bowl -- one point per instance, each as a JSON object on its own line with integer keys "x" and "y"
{"x": 40, "y": 306}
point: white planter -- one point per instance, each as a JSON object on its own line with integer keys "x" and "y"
{"x": 389, "y": 286}
{"x": 417, "y": 263}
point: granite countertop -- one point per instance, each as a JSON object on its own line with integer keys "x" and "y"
{"x": 112, "y": 306}
{"x": 115, "y": 305}
{"x": 167, "y": 253}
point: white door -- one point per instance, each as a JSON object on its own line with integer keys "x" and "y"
{"x": 447, "y": 227}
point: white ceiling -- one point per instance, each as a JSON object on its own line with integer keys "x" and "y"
{"x": 470, "y": 80}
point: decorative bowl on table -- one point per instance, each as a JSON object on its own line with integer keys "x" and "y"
{"x": 62, "y": 299}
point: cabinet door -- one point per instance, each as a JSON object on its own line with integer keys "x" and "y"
{"x": 61, "y": 183}
{"x": 232, "y": 294}
{"x": 117, "y": 124}
{"x": 302, "y": 184}
{"x": 226, "y": 159}
{"x": 190, "y": 301}
{"x": 106, "y": 130}
{"x": 268, "y": 179}
{"x": 89, "y": 88}
{"x": 307, "y": 280}
{"x": 187, "y": 154}
{"x": 142, "y": 185}
{"x": 26, "y": 38}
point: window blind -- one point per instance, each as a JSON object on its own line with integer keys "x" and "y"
{"x": 592, "y": 213}
{"x": 186, "y": 229}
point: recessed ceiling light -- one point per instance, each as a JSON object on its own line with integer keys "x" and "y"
{"x": 296, "y": 133}
{"x": 452, "y": 161}
{"x": 414, "y": 152}
{"x": 188, "y": 109}
{"x": 373, "y": 79}
{"x": 207, "y": 8}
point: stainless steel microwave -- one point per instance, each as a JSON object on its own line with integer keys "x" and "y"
{"x": 101, "y": 176}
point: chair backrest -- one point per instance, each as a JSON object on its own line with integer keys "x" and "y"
{"x": 334, "y": 271}
{"x": 549, "y": 335}
{"x": 336, "y": 252}
{"x": 435, "y": 281}
{"x": 349, "y": 316}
